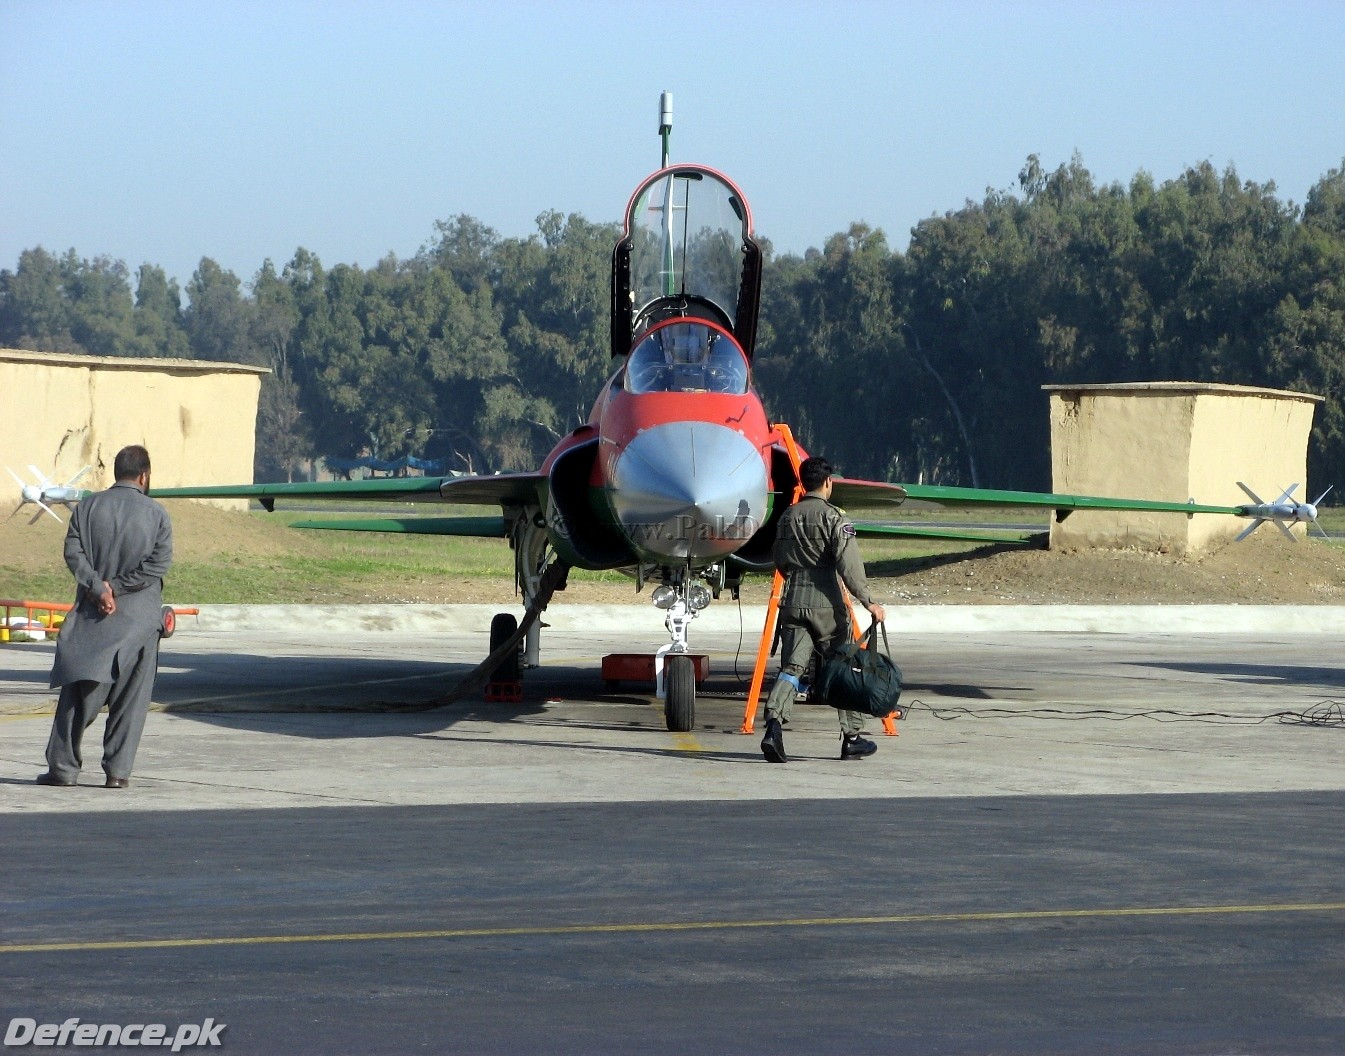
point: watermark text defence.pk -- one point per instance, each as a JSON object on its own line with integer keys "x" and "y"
{"x": 24, "y": 1031}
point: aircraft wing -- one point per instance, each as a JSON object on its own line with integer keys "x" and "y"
{"x": 937, "y": 497}
{"x": 971, "y": 534}
{"x": 866, "y": 494}
{"x": 474, "y": 527}
{"x": 870, "y": 495}
{"x": 496, "y": 490}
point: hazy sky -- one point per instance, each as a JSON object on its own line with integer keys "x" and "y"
{"x": 162, "y": 132}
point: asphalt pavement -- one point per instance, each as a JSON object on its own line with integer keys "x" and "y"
{"x": 1098, "y": 831}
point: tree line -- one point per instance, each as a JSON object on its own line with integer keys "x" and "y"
{"x": 919, "y": 365}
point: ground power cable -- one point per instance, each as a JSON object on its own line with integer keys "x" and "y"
{"x": 1329, "y": 714}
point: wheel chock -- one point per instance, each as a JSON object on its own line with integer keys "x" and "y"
{"x": 504, "y": 692}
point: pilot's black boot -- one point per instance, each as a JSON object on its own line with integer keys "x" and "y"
{"x": 773, "y": 744}
{"x": 853, "y": 746}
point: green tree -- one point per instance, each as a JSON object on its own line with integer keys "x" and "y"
{"x": 101, "y": 309}
{"x": 282, "y": 439}
{"x": 832, "y": 362}
{"x": 218, "y": 318}
{"x": 34, "y": 312}
{"x": 157, "y": 317}
{"x": 556, "y": 308}
{"x": 465, "y": 248}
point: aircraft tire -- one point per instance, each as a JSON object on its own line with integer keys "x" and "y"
{"x": 679, "y": 701}
{"x": 502, "y": 628}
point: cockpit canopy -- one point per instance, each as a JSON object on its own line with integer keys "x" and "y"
{"x": 686, "y": 356}
{"x": 688, "y": 252}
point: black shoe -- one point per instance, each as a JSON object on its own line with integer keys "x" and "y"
{"x": 48, "y": 778}
{"x": 773, "y": 744}
{"x": 117, "y": 782}
{"x": 853, "y": 746}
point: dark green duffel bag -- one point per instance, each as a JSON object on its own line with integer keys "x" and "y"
{"x": 857, "y": 677}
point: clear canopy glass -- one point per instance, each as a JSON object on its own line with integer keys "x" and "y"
{"x": 687, "y": 233}
{"x": 687, "y": 357}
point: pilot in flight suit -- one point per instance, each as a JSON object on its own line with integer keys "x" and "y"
{"x": 815, "y": 551}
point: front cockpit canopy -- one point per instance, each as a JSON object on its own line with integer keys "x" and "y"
{"x": 686, "y": 356}
{"x": 688, "y": 252}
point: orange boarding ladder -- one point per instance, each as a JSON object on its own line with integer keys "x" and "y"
{"x": 773, "y": 606}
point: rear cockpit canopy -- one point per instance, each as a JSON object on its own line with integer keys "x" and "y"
{"x": 687, "y": 252}
{"x": 686, "y": 356}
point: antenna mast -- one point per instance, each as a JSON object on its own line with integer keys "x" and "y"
{"x": 665, "y": 123}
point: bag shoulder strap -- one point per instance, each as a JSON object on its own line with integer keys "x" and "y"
{"x": 871, "y": 637}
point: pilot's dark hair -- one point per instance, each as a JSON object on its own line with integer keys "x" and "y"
{"x": 813, "y": 473}
{"x": 130, "y": 462}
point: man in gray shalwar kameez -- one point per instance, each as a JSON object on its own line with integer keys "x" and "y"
{"x": 118, "y": 547}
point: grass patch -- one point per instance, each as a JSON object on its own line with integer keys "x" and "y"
{"x": 22, "y": 584}
{"x": 234, "y": 558}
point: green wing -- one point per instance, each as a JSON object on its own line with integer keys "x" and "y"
{"x": 878, "y": 529}
{"x": 935, "y": 497}
{"x": 475, "y": 527}
{"x": 499, "y": 490}
{"x": 391, "y": 489}
{"x": 894, "y": 498}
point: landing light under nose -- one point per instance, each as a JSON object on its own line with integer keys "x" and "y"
{"x": 698, "y": 596}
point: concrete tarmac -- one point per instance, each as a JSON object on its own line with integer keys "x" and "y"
{"x": 1103, "y": 831}
{"x": 278, "y": 710}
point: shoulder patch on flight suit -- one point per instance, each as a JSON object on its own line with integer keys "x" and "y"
{"x": 848, "y": 530}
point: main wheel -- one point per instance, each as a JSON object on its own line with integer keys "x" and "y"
{"x": 679, "y": 688}
{"x": 503, "y": 627}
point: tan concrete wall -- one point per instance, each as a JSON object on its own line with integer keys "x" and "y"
{"x": 1172, "y": 441}
{"x": 61, "y": 413}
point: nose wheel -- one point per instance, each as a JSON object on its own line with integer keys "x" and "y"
{"x": 679, "y": 700}
{"x": 675, "y": 668}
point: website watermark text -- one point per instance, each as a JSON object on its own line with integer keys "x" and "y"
{"x": 23, "y": 1031}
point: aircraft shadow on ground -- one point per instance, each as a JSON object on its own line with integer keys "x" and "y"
{"x": 276, "y": 693}
{"x": 33, "y": 678}
{"x": 1258, "y": 674}
{"x": 899, "y": 566}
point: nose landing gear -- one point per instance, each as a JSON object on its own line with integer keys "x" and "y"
{"x": 675, "y": 669}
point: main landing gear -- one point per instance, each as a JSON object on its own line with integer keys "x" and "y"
{"x": 505, "y": 683}
{"x": 538, "y": 574}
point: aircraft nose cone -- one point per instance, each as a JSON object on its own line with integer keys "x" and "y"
{"x": 689, "y": 490}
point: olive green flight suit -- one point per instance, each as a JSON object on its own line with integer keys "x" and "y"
{"x": 816, "y": 552}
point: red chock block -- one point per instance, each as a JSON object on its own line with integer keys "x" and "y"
{"x": 639, "y": 667}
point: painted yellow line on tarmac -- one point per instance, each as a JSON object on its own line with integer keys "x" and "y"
{"x": 686, "y": 742}
{"x": 1006, "y": 916}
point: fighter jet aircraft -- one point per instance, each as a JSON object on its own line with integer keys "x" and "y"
{"x": 678, "y": 476}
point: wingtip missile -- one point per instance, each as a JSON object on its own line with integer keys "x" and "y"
{"x": 45, "y": 494}
{"x": 1283, "y": 512}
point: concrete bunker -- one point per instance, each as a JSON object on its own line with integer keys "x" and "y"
{"x": 1173, "y": 441}
{"x": 64, "y": 412}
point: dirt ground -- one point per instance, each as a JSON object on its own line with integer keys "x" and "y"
{"x": 1264, "y": 569}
